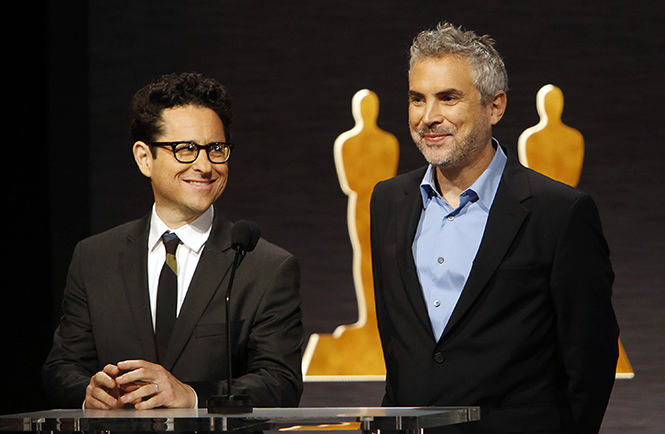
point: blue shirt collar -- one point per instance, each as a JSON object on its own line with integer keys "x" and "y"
{"x": 484, "y": 187}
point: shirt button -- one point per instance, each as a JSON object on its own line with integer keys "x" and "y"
{"x": 440, "y": 260}
{"x": 437, "y": 303}
{"x": 451, "y": 217}
{"x": 438, "y": 357}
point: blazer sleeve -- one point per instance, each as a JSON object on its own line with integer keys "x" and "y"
{"x": 379, "y": 204}
{"x": 587, "y": 330}
{"x": 273, "y": 375}
{"x": 73, "y": 357}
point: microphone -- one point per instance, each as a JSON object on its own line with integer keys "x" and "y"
{"x": 244, "y": 236}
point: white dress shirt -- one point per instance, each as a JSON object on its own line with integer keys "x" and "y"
{"x": 193, "y": 237}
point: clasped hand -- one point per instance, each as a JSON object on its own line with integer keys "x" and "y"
{"x": 139, "y": 384}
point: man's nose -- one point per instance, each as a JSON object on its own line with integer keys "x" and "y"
{"x": 433, "y": 114}
{"x": 202, "y": 163}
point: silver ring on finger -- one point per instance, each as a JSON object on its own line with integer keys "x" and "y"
{"x": 156, "y": 388}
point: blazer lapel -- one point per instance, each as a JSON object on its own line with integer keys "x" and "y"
{"x": 212, "y": 269}
{"x": 407, "y": 211}
{"x": 133, "y": 269}
{"x": 505, "y": 218}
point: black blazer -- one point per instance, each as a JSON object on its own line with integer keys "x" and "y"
{"x": 533, "y": 337}
{"x": 106, "y": 319}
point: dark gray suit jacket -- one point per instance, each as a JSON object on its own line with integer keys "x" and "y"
{"x": 533, "y": 337}
{"x": 106, "y": 319}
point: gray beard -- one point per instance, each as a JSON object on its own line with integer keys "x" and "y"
{"x": 459, "y": 153}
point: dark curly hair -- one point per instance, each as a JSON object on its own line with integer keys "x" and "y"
{"x": 174, "y": 90}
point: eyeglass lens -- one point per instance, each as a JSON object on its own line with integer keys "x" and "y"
{"x": 187, "y": 152}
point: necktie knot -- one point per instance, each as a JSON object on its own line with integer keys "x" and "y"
{"x": 171, "y": 241}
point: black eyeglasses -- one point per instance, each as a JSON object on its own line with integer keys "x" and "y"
{"x": 188, "y": 152}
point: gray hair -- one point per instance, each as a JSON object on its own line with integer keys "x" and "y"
{"x": 489, "y": 72}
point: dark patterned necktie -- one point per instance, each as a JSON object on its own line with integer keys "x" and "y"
{"x": 167, "y": 295}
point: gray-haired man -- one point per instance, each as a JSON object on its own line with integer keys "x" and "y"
{"x": 493, "y": 283}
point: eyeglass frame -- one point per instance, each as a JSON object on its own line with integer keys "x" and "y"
{"x": 172, "y": 145}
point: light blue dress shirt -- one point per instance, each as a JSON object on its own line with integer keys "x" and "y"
{"x": 447, "y": 239}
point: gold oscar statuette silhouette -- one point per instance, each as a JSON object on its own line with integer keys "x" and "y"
{"x": 363, "y": 156}
{"x": 557, "y": 150}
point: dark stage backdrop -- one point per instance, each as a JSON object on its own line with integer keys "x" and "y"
{"x": 292, "y": 69}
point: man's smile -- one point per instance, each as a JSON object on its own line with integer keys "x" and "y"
{"x": 435, "y": 138}
{"x": 201, "y": 184}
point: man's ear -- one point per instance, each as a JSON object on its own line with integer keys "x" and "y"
{"x": 143, "y": 157}
{"x": 498, "y": 106}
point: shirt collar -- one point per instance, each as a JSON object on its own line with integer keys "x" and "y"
{"x": 485, "y": 186}
{"x": 428, "y": 186}
{"x": 193, "y": 235}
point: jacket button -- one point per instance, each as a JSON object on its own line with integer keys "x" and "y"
{"x": 438, "y": 357}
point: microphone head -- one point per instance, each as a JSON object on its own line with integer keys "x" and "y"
{"x": 244, "y": 235}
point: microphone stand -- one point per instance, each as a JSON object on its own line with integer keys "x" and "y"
{"x": 230, "y": 403}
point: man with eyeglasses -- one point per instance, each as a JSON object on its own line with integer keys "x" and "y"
{"x": 113, "y": 348}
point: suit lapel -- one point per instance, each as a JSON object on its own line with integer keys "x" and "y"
{"x": 407, "y": 211}
{"x": 133, "y": 261}
{"x": 212, "y": 269}
{"x": 505, "y": 219}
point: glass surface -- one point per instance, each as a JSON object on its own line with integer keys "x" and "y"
{"x": 406, "y": 419}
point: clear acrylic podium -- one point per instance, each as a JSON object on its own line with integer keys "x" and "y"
{"x": 365, "y": 419}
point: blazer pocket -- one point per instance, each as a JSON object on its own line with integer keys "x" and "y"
{"x": 522, "y": 271}
{"x": 522, "y": 281}
{"x": 214, "y": 329}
